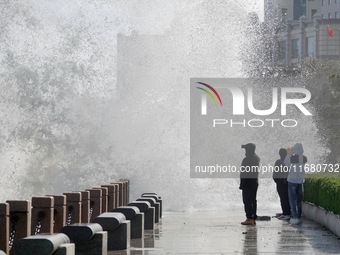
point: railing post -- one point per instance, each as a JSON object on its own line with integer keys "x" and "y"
{"x": 111, "y": 196}
{"x": 95, "y": 202}
{"x": 20, "y": 220}
{"x": 4, "y": 229}
{"x": 120, "y": 194}
{"x": 59, "y": 212}
{"x": 105, "y": 197}
{"x": 125, "y": 191}
{"x": 42, "y": 215}
{"x": 73, "y": 207}
{"x": 85, "y": 207}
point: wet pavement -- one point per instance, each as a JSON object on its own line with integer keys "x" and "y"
{"x": 222, "y": 233}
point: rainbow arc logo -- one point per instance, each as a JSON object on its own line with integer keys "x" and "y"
{"x": 209, "y": 90}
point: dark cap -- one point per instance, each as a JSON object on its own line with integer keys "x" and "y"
{"x": 249, "y": 147}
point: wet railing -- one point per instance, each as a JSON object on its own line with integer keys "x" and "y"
{"x": 99, "y": 218}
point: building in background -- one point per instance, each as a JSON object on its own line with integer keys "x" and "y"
{"x": 303, "y": 29}
{"x": 312, "y": 7}
{"x": 283, "y": 10}
{"x": 330, "y": 9}
{"x": 303, "y": 39}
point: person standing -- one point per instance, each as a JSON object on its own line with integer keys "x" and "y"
{"x": 296, "y": 177}
{"x": 280, "y": 178}
{"x": 249, "y": 183}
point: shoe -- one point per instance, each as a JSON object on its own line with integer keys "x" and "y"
{"x": 295, "y": 221}
{"x": 250, "y": 222}
{"x": 284, "y": 217}
{"x": 278, "y": 215}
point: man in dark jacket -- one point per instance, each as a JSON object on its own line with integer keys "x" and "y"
{"x": 280, "y": 177}
{"x": 249, "y": 183}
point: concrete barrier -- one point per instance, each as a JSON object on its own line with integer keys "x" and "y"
{"x": 136, "y": 219}
{"x": 118, "y": 229}
{"x": 158, "y": 199}
{"x": 44, "y": 245}
{"x": 154, "y": 204}
{"x": 89, "y": 239}
{"x": 149, "y": 213}
{"x": 323, "y": 217}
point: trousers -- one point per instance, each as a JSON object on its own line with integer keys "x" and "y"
{"x": 282, "y": 190}
{"x": 295, "y": 192}
{"x": 250, "y": 202}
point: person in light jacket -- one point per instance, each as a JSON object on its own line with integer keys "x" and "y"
{"x": 296, "y": 177}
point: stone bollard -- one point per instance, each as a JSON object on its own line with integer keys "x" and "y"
{"x": 95, "y": 203}
{"x": 89, "y": 239}
{"x": 105, "y": 197}
{"x": 85, "y": 206}
{"x": 59, "y": 212}
{"x": 111, "y": 196}
{"x": 56, "y": 244}
{"x": 4, "y": 229}
{"x": 158, "y": 199}
{"x": 153, "y": 203}
{"x": 73, "y": 207}
{"x": 118, "y": 229}
{"x": 20, "y": 221}
{"x": 149, "y": 213}
{"x": 120, "y": 193}
{"x": 136, "y": 219}
{"x": 42, "y": 215}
